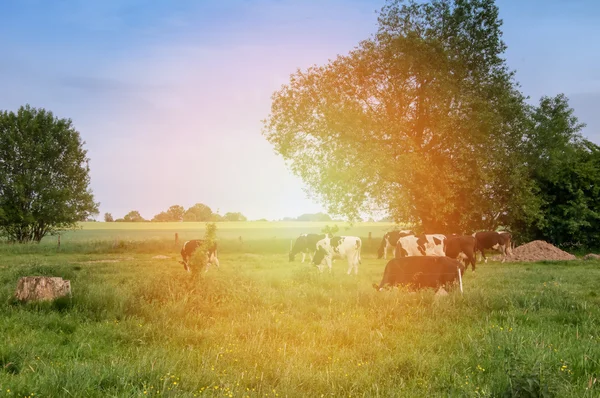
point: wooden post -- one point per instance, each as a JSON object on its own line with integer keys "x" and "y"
{"x": 176, "y": 237}
{"x": 370, "y": 241}
{"x": 59, "y": 241}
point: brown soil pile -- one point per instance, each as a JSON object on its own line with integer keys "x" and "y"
{"x": 539, "y": 250}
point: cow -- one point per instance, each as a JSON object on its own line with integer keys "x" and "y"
{"x": 389, "y": 242}
{"x": 190, "y": 246}
{"x": 463, "y": 247}
{"x": 420, "y": 245}
{"x": 493, "y": 240}
{"x": 347, "y": 247}
{"x": 305, "y": 244}
{"x": 421, "y": 272}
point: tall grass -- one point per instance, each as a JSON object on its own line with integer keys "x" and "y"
{"x": 262, "y": 326}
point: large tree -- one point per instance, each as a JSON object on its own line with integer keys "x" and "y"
{"x": 424, "y": 121}
{"x": 44, "y": 175}
{"x": 566, "y": 170}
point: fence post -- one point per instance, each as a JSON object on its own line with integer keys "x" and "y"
{"x": 176, "y": 237}
{"x": 370, "y": 241}
{"x": 59, "y": 241}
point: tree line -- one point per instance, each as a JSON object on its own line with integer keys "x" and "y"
{"x": 197, "y": 212}
{"x": 426, "y": 121}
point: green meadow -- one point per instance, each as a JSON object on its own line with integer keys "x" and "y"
{"x": 260, "y": 326}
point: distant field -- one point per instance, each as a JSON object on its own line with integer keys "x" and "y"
{"x": 249, "y": 231}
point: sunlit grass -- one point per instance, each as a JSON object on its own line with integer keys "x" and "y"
{"x": 261, "y": 326}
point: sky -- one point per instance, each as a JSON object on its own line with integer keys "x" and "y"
{"x": 169, "y": 95}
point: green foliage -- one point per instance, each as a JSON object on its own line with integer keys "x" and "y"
{"x": 566, "y": 170}
{"x": 200, "y": 212}
{"x": 44, "y": 175}
{"x": 234, "y": 216}
{"x": 314, "y": 217}
{"x": 175, "y": 213}
{"x": 161, "y": 217}
{"x": 108, "y": 217}
{"x": 199, "y": 258}
{"x": 409, "y": 122}
{"x": 331, "y": 231}
{"x": 133, "y": 216}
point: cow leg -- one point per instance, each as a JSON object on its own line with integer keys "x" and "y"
{"x": 329, "y": 264}
{"x": 303, "y": 256}
{"x": 214, "y": 260}
{"x": 483, "y": 255}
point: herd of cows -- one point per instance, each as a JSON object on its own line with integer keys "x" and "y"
{"x": 425, "y": 260}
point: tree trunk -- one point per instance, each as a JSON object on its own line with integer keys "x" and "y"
{"x": 42, "y": 288}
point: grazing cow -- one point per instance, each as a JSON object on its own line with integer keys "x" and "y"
{"x": 508, "y": 242}
{"x": 463, "y": 247}
{"x": 493, "y": 240}
{"x": 305, "y": 244}
{"x": 347, "y": 247}
{"x": 190, "y": 246}
{"x": 389, "y": 242}
{"x": 421, "y": 272}
{"x": 420, "y": 245}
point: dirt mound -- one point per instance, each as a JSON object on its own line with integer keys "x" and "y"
{"x": 539, "y": 250}
{"x": 591, "y": 256}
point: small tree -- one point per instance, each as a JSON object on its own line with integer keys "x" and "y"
{"x": 108, "y": 217}
{"x": 201, "y": 212}
{"x": 44, "y": 175}
{"x": 133, "y": 216}
{"x": 175, "y": 213}
{"x": 234, "y": 216}
{"x": 199, "y": 258}
{"x": 161, "y": 217}
{"x": 331, "y": 231}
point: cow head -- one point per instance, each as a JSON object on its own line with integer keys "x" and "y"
{"x": 319, "y": 256}
{"x": 185, "y": 266}
{"x": 382, "y": 246}
{"x": 400, "y": 251}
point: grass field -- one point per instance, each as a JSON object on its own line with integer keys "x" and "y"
{"x": 261, "y": 326}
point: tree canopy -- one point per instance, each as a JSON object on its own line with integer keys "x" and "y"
{"x": 424, "y": 120}
{"x": 44, "y": 175}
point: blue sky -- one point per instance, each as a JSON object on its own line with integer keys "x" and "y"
{"x": 168, "y": 95}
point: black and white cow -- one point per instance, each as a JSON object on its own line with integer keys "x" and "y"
{"x": 462, "y": 247}
{"x": 190, "y": 246}
{"x": 421, "y": 272}
{"x": 420, "y": 245}
{"x": 389, "y": 242}
{"x": 305, "y": 244}
{"x": 347, "y": 247}
{"x": 493, "y": 240}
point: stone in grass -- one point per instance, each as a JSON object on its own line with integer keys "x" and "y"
{"x": 42, "y": 288}
{"x": 591, "y": 256}
{"x": 441, "y": 292}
